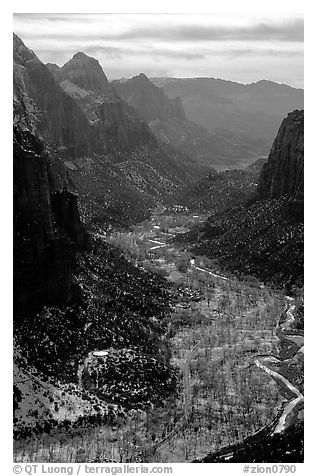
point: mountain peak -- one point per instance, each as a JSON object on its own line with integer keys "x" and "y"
{"x": 81, "y": 56}
{"x": 86, "y": 72}
{"x": 142, "y": 77}
{"x": 141, "y": 81}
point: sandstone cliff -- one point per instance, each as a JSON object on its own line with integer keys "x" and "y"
{"x": 283, "y": 174}
{"x": 44, "y": 108}
{"x": 47, "y": 228}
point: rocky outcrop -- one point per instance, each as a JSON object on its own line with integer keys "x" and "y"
{"x": 283, "y": 174}
{"x": 47, "y": 229}
{"x": 150, "y": 101}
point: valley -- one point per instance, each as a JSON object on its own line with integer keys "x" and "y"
{"x": 158, "y": 276}
{"x": 230, "y": 350}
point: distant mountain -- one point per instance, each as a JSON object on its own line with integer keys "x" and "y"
{"x": 255, "y": 109}
{"x": 116, "y": 163}
{"x": 264, "y": 237}
{"x": 220, "y": 148}
{"x": 151, "y": 102}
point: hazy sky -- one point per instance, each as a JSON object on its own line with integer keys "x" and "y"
{"x": 243, "y": 48}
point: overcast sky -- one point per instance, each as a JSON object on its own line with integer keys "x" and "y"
{"x": 243, "y": 48}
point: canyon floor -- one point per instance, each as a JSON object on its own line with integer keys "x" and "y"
{"x": 239, "y": 368}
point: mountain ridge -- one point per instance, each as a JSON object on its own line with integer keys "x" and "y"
{"x": 256, "y": 109}
{"x": 167, "y": 119}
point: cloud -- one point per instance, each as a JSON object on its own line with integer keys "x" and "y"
{"x": 288, "y": 31}
{"x": 162, "y": 28}
{"x": 239, "y": 47}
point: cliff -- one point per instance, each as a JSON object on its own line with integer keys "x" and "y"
{"x": 283, "y": 174}
{"x": 47, "y": 228}
{"x": 44, "y": 108}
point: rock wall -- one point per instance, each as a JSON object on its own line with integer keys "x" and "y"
{"x": 283, "y": 174}
{"x": 47, "y": 230}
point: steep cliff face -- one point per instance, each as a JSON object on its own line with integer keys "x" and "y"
{"x": 47, "y": 228}
{"x": 43, "y": 107}
{"x": 283, "y": 174}
{"x": 149, "y": 100}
